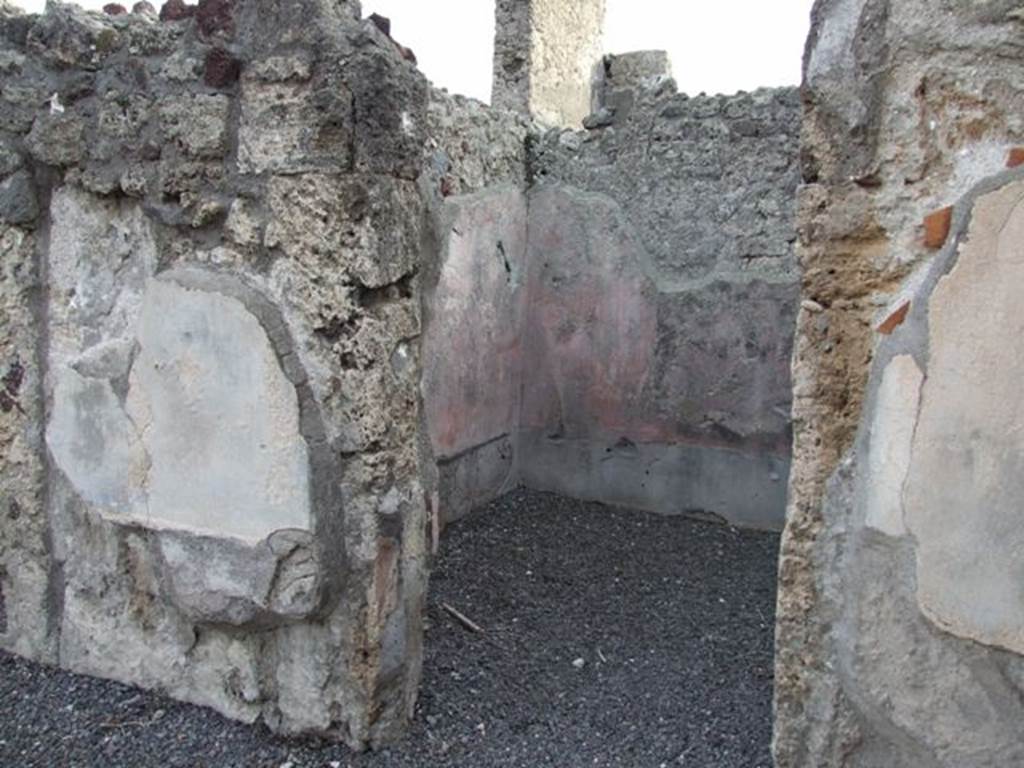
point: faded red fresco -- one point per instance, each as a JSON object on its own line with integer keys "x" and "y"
{"x": 471, "y": 347}
{"x": 591, "y": 325}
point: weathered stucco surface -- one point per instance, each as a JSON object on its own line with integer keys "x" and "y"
{"x": 907, "y": 106}
{"x": 892, "y": 434}
{"x": 474, "y": 301}
{"x": 921, "y": 619}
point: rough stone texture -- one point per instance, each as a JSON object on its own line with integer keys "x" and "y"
{"x": 25, "y": 562}
{"x": 907, "y": 105}
{"x": 472, "y": 147}
{"x": 230, "y": 502}
{"x": 18, "y": 203}
{"x": 546, "y": 55}
{"x": 663, "y": 292}
{"x": 282, "y": 128}
{"x": 622, "y": 77}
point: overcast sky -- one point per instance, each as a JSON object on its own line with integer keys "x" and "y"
{"x": 717, "y": 47}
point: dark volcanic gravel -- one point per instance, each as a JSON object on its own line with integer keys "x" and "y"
{"x": 613, "y": 638}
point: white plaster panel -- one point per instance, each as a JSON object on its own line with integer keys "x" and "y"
{"x": 965, "y": 489}
{"x": 218, "y": 417}
{"x": 892, "y": 431}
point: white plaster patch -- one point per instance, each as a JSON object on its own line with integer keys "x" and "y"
{"x": 892, "y": 431}
{"x": 218, "y": 418}
{"x": 100, "y": 255}
{"x": 96, "y": 446}
{"x": 206, "y": 438}
{"x": 965, "y": 490}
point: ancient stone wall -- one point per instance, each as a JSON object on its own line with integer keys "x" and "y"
{"x": 212, "y": 227}
{"x": 898, "y": 621}
{"x": 663, "y": 291}
{"x": 546, "y": 56}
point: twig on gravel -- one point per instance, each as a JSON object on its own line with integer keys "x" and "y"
{"x": 123, "y": 723}
{"x": 463, "y": 619}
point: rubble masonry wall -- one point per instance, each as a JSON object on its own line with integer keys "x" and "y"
{"x": 213, "y": 227}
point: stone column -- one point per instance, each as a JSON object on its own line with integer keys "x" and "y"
{"x": 545, "y": 56}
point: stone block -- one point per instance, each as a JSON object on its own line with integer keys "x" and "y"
{"x": 285, "y": 129}
{"x": 221, "y": 69}
{"x": 363, "y": 226}
{"x": 196, "y": 124}
{"x": 57, "y": 140}
{"x": 18, "y": 203}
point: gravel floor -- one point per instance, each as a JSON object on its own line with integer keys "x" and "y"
{"x": 613, "y": 638}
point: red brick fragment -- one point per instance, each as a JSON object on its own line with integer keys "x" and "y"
{"x": 936, "y": 228}
{"x": 1015, "y": 157}
{"x": 221, "y": 69}
{"x": 176, "y": 10}
{"x": 215, "y": 17}
{"x": 895, "y": 320}
{"x": 114, "y": 9}
{"x": 383, "y": 23}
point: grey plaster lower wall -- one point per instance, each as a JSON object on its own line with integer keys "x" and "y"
{"x": 745, "y": 488}
{"x": 475, "y": 477}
